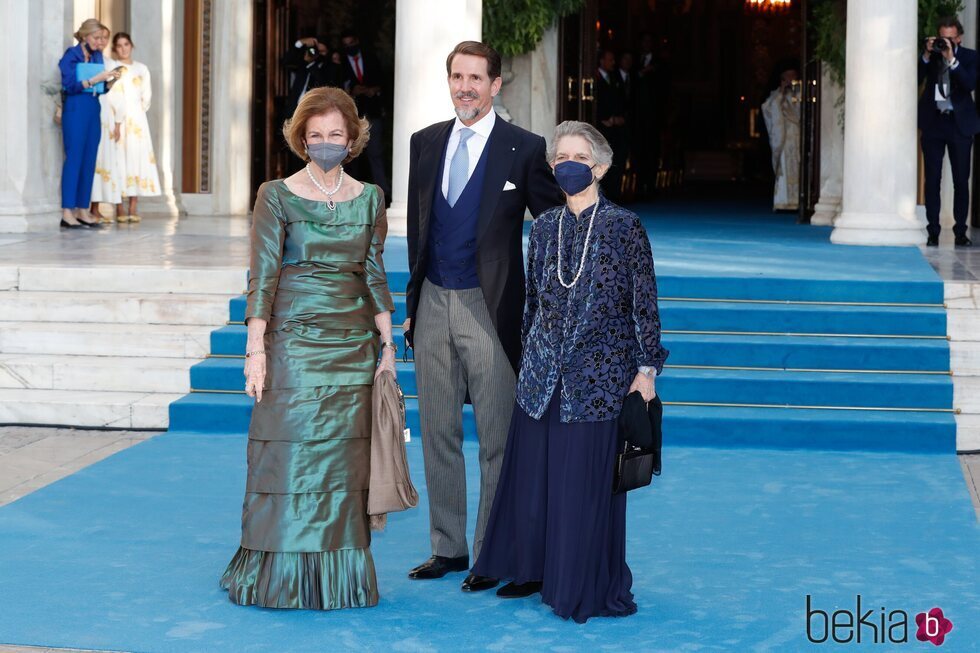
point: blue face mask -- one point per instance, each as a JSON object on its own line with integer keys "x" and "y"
{"x": 573, "y": 177}
{"x": 327, "y": 156}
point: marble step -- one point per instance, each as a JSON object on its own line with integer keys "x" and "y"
{"x": 124, "y": 410}
{"x": 968, "y": 433}
{"x": 99, "y": 373}
{"x": 132, "y": 308}
{"x": 122, "y": 279}
{"x": 105, "y": 339}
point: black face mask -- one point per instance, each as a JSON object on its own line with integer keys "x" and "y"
{"x": 352, "y": 50}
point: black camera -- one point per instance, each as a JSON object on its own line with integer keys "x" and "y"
{"x": 940, "y": 45}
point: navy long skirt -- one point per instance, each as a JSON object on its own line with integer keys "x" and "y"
{"x": 555, "y": 518}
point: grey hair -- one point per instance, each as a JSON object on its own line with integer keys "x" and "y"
{"x": 602, "y": 153}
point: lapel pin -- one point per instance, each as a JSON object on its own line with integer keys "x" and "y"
{"x": 513, "y": 149}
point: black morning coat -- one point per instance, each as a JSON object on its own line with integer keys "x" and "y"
{"x": 516, "y": 156}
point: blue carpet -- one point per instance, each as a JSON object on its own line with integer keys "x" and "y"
{"x": 126, "y": 555}
{"x": 799, "y": 341}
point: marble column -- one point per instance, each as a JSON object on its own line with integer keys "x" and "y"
{"x": 879, "y": 189}
{"x": 31, "y": 154}
{"x": 530, "y": 94}
{"x": 831, "y": 153}
{"x": 158, "y": 48}
{"x": 425, "y": 33}
{"x": 230, "y": 98}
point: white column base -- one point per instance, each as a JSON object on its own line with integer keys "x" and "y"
{"x": 877, "y": 229}
{"x": 825, "y": 212}
{"x": 165, "y": 204}
{"x": 20, "y": 219}
{"x": 398, "y": 218}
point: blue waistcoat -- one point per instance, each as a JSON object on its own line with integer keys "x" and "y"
{"x": 452, "y": 232}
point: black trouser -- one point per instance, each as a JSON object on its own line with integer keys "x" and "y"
{"x": 934, "y": 145}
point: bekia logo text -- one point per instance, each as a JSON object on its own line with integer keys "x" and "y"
{"x": 876, "y": 626}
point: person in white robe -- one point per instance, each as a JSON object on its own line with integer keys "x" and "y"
{"x": 781, "y": 111}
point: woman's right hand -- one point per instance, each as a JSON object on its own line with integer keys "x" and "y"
{"x": 255, "y": 376}
{"x": 105, "y": 75}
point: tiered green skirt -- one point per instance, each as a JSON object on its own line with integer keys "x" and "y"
{"x": 305, "y": 534}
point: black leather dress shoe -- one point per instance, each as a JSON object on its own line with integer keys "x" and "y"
{"x": 932, "y": 241}
{"x": 519, "y": 591}
{"x": 963, "y": 241}
{"x": 474, "y": 583}
{"x": 439, "y": 566}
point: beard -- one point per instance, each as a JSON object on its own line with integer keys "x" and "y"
{"x": 467, "y": 114}
{"x": 464, "y": 113}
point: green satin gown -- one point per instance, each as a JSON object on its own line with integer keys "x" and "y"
{"x": 317, "y": 276}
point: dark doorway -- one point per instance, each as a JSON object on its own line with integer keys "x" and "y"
{"x": 278, "y": 24}
{"x": 701, "y": 70}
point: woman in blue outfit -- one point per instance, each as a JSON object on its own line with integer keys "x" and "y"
{"x": 80, "y": 125}
{"x": 591, "y": 335}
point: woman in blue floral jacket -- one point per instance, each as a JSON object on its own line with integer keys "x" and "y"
{"x": 591, "y": 335}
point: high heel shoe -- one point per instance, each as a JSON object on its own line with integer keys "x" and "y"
{"x": 90, "y": 225}
{"x": 67, "y": 225}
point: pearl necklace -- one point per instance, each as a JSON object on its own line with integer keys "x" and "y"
{"x": 585, "y": 248}
{"x": 329, "y": 193}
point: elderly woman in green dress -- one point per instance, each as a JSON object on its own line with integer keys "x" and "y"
{"x": 318, "y": 301}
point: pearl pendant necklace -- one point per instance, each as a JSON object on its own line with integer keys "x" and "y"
{"x": 585, "y": 247}
{"x": 329, "y": 193}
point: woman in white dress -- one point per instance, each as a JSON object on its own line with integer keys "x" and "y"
{"x": 141, "y": 177}
{"x": 110, "y": 175}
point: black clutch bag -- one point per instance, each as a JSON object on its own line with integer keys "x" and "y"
{"x": 640, "y": 440}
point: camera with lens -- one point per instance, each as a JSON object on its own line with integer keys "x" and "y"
{"x": 940, "y": 45}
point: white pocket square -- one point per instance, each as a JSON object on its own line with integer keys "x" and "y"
{"x": 509, "y": 186}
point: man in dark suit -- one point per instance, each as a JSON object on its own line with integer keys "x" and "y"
{"x": 363, "y": 81}
{"x": 310, "y": 67}
{"x": 948, "y": 120}
{"x": 611, "y": 110}
{"x": 470, "y": 182}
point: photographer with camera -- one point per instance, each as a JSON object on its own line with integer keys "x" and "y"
{"x": 310, "y": 67}
{"x": 948, "y": 120}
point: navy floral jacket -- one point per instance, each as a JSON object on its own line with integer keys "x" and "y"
{"x": 595, "y": 335}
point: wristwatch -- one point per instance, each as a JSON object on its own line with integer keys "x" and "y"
{"x": 390, "y": 345}
{"x": 648, "y": 371}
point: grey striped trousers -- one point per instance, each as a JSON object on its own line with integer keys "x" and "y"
{"x": 456, "y": 348}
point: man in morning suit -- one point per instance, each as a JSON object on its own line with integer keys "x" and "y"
{"x": 470, "y": 181}
{"x": 948, "y": 120}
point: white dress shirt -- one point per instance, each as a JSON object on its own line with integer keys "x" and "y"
{"x": 474, "y": 146}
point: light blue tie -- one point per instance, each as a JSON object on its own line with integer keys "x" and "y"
{"x": 459, "y": 167}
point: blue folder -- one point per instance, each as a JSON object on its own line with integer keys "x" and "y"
{"x": 88, "y": 71}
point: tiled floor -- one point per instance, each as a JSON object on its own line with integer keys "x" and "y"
{"x": 32, "y": 457}
{"x": 213, "y": 241}
{"x": 955, "y": 263}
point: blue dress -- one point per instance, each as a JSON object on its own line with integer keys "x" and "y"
{"x": 555, "y": 519}
{"x": 81, "y": 130}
